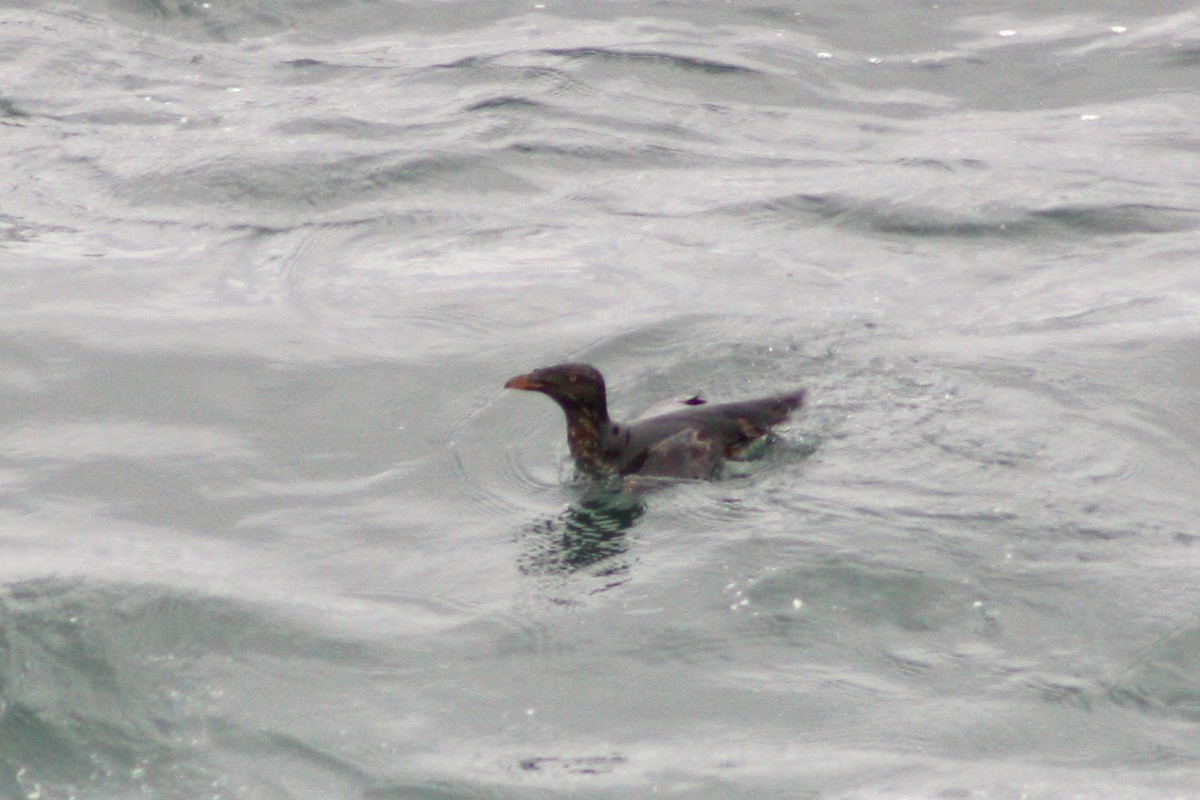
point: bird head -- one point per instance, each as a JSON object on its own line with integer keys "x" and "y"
{"x": 572, "y": 386}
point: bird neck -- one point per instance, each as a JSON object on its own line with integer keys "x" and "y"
{"x": 585, "y": 430}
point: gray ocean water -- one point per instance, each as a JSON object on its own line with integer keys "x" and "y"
{"x": 270, "y": 528}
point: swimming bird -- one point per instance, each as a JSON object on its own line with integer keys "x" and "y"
{"x": 687, "y": 438}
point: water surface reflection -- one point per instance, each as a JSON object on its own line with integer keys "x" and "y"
{"x": 589, "y": 532}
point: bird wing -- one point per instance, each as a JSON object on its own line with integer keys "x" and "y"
{"x": 691, "y": 442}
{"x": 688, "y": 453}
{"x": 671, "y": 406}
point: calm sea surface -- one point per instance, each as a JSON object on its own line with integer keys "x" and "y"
{"x": 270, "y": 528}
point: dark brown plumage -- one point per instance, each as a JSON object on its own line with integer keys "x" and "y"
{"x": 680, "y": 439}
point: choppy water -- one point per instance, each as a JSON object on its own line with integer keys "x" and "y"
{"x": 269, "y": 528}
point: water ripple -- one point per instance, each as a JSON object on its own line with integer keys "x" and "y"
{"x": 691, "y": 63}
{"x": 889, "y": 217}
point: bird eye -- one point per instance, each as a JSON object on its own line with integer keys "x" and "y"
{"x": 573, "y": 378}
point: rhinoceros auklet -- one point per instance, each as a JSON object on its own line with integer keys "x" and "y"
{"x": 687, "y": 438}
